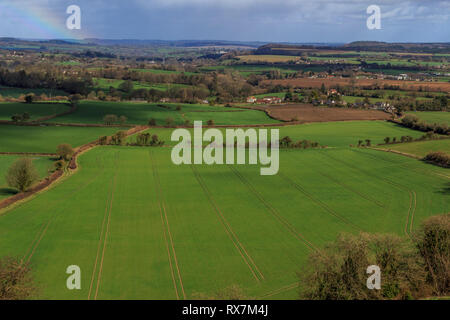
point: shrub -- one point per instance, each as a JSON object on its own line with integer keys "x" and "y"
{"x": 118, "y": 138}
{"x": 16, "y": 117}
{"x": 16, "y": 282}
{"x": 439, "y": 158}
{"x": 29, "y": 98}
{"x": 103, "y": 140}
{"x": 65, "y": 151}
{"x": 170, "y": 122}
{"x": 152, "y": 122}
{"x": 339, "y": 272}
{"x": 59, "y": 165}
{"x": 122, "y": 119}
{"x": 433, "y": 242}
{"x": 142, "y": 139}
{"x": 110, "y": 119}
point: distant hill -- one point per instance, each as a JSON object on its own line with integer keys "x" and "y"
{"x": 288, "y": 49}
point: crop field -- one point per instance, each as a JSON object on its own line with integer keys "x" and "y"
{"x": 42, "y": 165}
{"x": 159, "y": 231}
{"x": 249, "y": 69}
{"x": 35, "y": 110}
{"x": 17, "y": 92}
{"x": 332, "y": 134}
{"x": 268, "y": 58}
{"x": 140, "y": 113}
{"x": 161, "y": 71}
{"x": 105, "y": 84}
{"x": 433, "y": 116}
{"x": 420, "y": 148}
{"x": 46, "y": 139}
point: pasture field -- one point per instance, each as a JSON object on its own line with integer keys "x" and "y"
{"x": 420, "y": 148}
{"x": 92, "y": 112}
{"x": 105, "y": 84}
{"x": 17, "y": 92}
{"x": 268, "y": 58}
{"x": 433, "y": 116}
{"x": 161, "y": 71}
{"x": 248, "y": 69}
{"x": 35, "y": 110}
{"x": 42, "y": 165}
{"x": 332, "y": 134}
{"x": 154, "y": 230}
{"x": 46, "y": 139}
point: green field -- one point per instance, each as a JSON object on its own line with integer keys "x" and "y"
{"x": 161, "y": 71}
{"x": 42, "y": 165}
{"x": 332, "y": 134}
{"x": 35, "y": 110}
{"x": 154, "y": 230}
{"x": 433, "y": 116}
{"x": 248, "y": 69}
{"x": 105, "y": 85}
{"x": 46, "y": 139}
{"x": 420, "y": 148}
{"x": 17, "y": 92}
{"x": 140, "y": 113}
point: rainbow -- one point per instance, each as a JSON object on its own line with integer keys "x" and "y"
{"x": 41, "y": 22}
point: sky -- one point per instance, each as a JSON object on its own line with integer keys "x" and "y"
{"x": 300, "y": 21}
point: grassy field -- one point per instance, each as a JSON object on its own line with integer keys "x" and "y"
{"x": 248, "y": 69}
{"x": 161, "y": 71}
{"x": 154, "y": 230}
{"x": 36, "y": 110}
{"x": 17, "y": 92}
{"x": 433, "y": 116}
{"x": 105, "y": 84}
{"x": 140, "y": 113}
{"x": 268, "y": 58}
{"x": 332, "y": 134}
{"x": 42, "y": 165}
{"x": 46, "y": 139}
{"x": 420, "y": 148}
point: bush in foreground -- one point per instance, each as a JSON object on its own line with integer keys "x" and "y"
{"x": 339, "y": 272}
{"x": 411, "y": 268}
{"x": 433, "y": 242}
{"x": 16, "y": 282}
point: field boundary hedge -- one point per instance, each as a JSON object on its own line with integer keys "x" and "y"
{"x": 28, "y": 154}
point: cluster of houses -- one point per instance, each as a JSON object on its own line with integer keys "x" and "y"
{"x": 264, "y": 100}
{"x": 332, "y": 100}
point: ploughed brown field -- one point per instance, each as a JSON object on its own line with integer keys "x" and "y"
{"x": 331, "y": 82}
{"x": 309, "y": 113}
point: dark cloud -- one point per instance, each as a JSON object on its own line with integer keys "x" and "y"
{"x": 265, "y": 20}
